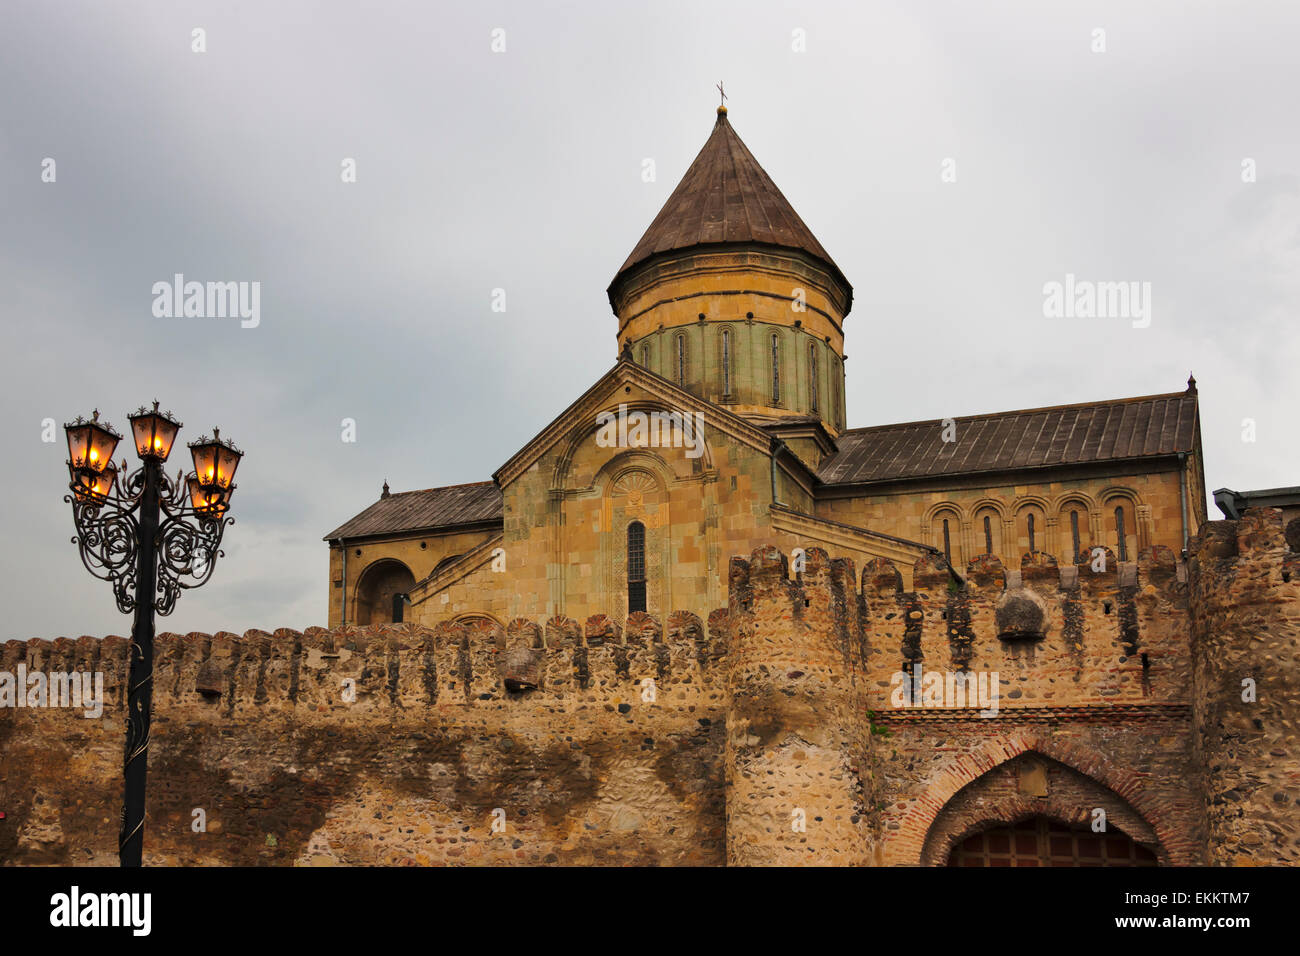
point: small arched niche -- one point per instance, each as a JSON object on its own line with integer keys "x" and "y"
{"x": 376, "y": 588}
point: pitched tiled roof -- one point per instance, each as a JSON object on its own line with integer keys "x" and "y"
{"x": 726, "y": 197}
{"x": 430, "y": 508}
{"x": 1007, "y": 441}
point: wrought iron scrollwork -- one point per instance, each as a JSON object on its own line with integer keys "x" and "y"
{"x": 108, "y": 537}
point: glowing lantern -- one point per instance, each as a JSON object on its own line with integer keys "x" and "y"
{"x": 154, "y": 432}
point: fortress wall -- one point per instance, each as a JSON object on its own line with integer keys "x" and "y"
{"x": 396, "y": 743}
{"x": 1062, "y": 643}
{"x": 1245, "y": 649}
{"x": 260, "y": 732}
{"x": 1055, "y": 636}
{"x": 1130, "y": 763}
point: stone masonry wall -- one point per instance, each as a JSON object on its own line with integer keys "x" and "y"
{"x": 797, "y": 752}
{"x": 1091, "y": 669}
{"x": 1245, "y": 583}
{"x": 258, "y": 732}
{"x": 772, "y": 733}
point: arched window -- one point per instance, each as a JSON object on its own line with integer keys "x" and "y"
{"x": 776, "y": 370}
{"x": 812, "y": 375}
{"x": 1032, "y": 544}
{"x": 946, "y": 536}
{"x": 1119, "y": 533}
{"x": 988, "y": 535}
{"x": 645, "y": 356}
{"x": 681, "y": 360}
{"x": 726, "y": 362}
{"x": 835, "y": 394}
{"x": 1074, "y": 533}
{"x": 635, "y": 567}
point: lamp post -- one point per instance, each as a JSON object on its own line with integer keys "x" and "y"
{"x": 150, "y": 537}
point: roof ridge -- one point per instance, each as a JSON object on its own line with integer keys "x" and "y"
{"x": 1018, "y": 411}
{"x": 423, "y": 491}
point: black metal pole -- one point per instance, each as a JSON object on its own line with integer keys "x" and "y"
{"x": 139, "y": 703}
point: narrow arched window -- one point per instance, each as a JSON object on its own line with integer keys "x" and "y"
{"x": 776, "y": 370}
{"x": 726, "y": 362}
{"x": 1074, "y": 533}
{"x": 681, "y": 360}
{"x": 1119, "y": 533}
{"x": 835, "y": 395}
{"x": 988, "y": 535}
{"x": 947, "y": 543}
{"x": 645, "y": 356}
{"x": 812, "y": 376}
{"x": 635, "y": 567}
{"x": 1031, "y": 534}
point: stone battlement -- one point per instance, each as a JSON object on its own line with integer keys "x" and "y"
{"x": 766, "y": 732}
{"x": 1065, "y": 613}
{"x": 400, "y": 666}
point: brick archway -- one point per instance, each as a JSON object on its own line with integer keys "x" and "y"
{"x": 915, "y": 816}
{"x": 1041, "y": 840}
{"x": 1010, "y": 811}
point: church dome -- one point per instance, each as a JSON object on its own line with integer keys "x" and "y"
{"x": 730, "y": 295}
{"x": 726, "y": 197}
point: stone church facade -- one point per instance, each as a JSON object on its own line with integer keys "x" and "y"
{"x": 731, "y": 312}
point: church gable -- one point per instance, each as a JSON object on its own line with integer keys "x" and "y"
{"x": 632, "y": 500}
{"x": 634, "y": 390}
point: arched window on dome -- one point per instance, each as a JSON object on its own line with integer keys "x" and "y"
{"x": 812, "y": 376}
{"x": 681, "y": 360}
{"x": 776, "y": 369}
{"x": 635, "y": 567}
{"x": 726, "y": 362}
{"x": 645, "y": 356}
{"x": 1121, "y": 535}
{"x": 835, "y": 395}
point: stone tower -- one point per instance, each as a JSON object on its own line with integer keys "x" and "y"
{"x": 1244, "y": 584}
{"x": 730, "y": 295}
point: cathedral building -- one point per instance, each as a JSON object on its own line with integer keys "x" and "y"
{"x": 723, "y": 428}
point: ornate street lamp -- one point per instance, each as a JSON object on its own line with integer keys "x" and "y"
{"x": 150, "y": 537}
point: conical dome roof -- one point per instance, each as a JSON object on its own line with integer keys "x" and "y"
{"x": 726, "y": 197}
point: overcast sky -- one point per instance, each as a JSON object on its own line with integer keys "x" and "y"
{"x": 522, "y": 170}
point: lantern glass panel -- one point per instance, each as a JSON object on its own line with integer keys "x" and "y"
{"x": 227, "y": 462}
{"x": 215, "y": 462}
{"x": 94, "y": 486}
{"x": 104, "y": 482}
{"x": 102, "y": 445}
{"x": 207, "y": 500}
{"x": 154, "y": 435}
{"x": 78, "y": 444}
{"x": 90, "y": 445}
{"x": 205, "y": 462}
